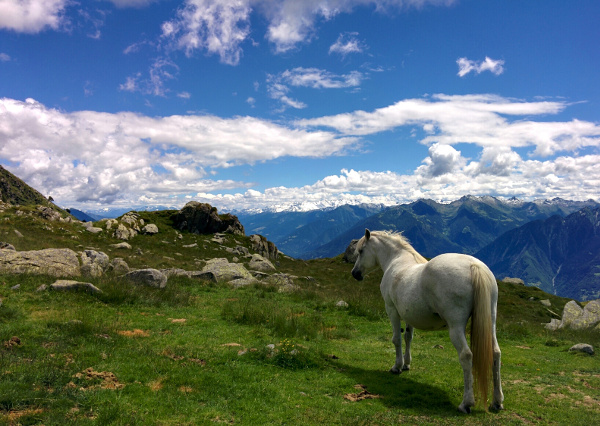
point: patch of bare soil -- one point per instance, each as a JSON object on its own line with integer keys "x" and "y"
{"x": 134, "y": 333}
{"x": 106, "y": 379}
{"x": 363, "y": 394}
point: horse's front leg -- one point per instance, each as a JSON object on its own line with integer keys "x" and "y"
{"x": 408, "y": 336}
{"x": 396, "y": 338}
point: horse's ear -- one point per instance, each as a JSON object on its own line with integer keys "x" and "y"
{"x": 367, "y": 234}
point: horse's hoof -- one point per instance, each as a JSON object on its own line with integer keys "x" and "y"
{"x": 496, "y": 407}
{"x": 466, "y": 410}
{"x": 394, "y": 370}
{"x": 406, "y": 367}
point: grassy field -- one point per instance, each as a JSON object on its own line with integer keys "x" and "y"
{"x": 201, "y": 353}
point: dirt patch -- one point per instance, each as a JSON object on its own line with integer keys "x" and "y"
{"x": 134, "y": 333}
{"x": 363, "y": 394}
{"x": 13, "y": 416}
{"x": 177, "y": 320}
{"x": 156, "y": 385}
{"x": 106, "y": 379}
{"x": 12, "y": 342}
{"x": 231, "y": 345}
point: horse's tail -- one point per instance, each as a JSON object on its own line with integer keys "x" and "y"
{"x": 481, "y": 329}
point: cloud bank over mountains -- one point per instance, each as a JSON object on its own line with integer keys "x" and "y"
{"x": 86, "y": 158}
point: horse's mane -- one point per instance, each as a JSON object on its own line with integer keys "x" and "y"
{"x": 398, "y": 239}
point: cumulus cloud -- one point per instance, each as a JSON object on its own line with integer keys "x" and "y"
{"x": 278, "y": 85}
{"x": 465, "y": 66}
{"x": 89, "y": 156}
{"x": 442, "y": 159}
{"x": 32, "y": 16}
{"x": 347, "y": 43}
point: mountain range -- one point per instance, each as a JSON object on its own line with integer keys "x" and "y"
{"x": 552, "y": 244}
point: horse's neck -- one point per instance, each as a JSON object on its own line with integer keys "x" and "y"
{"x": 390, "y": 252}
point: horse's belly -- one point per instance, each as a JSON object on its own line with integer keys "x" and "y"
{"x": 423, "y": 321}
{"x": 431, "y": 323}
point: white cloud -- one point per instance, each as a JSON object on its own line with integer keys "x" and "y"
{"x": 465, "y": 66}
{"x": 477, "y": 119}
{"x": 347, "y": 43}
{"x": 216, "y": 26}
{"x": 32, "y": 16}
{"x": 292, "y": 22}
{"x": 184, "y": 95}
{"x": 278, "y": 85}
{"x": 4, "y": 57}
{"x": 442, "y": 159}
{"x": 89, "y": 156}
{"x": 161, "y": 71}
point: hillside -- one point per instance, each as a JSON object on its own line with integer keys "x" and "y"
{"x": 203, "y": 352}
{"x": 14, "y": 191}
{"x": 464, "y": 226}
{"x": 559, "y": 255}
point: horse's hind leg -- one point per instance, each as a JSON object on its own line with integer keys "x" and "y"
{"x": 465, "y": 356}
{"x": 396, "y": 338}
{"x": 408, "y": 335}
{"x": 498, "y": 395}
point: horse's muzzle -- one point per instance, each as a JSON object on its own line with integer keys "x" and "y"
{"x": 357, "y": 274}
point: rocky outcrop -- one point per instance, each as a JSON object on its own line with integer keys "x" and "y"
{"x": 202, "y": 218}
{"x": 265, "y": 248}
{"x": 127, "y": 226}
{"x": 576, "y": 318}
{"x": 225, "y": 271}
{"x": 150, "y": 277}
{"x": 55, "y": 262}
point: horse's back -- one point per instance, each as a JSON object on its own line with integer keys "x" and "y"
{"x": 447, "y": 280}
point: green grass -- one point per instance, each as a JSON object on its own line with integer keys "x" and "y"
{"x": 199, "y": 353}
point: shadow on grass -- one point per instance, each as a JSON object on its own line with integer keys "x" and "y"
{"x": 401, "y": 392}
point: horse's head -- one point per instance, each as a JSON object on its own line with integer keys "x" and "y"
{"x": 366, "y": 257}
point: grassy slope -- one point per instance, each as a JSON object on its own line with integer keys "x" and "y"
{"x": 173, "y": 350}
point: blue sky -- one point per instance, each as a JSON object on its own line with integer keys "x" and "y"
{"x": 271, "y": 104}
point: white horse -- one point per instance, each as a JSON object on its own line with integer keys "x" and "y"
{"x": 437, "y": 294}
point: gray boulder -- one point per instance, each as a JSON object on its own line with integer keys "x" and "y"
{"x": 55, "y": 262}
{"x": 510, "y": 280}
{"x": 124, "y": 233}
{"x": 93, "y": 263}
{"x": 259, "y": 263}
{"x": 582, "y": 347}
{"x": 350, "y": 254}
{"x": 69, "y": 285}
{"x": 122, "y": 245}
{"x": 49, "y": 213}
{"x": 577, "y": 318}
{"x": 284, "y": 282}
{"x": 149, "y": 277}
{"x": 150, "y": 229}
{"x": 225, "y": 271}
{"x": 118, "y": 266}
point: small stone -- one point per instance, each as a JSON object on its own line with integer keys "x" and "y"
{"x": 546, "y": 302}
{"x": 41, "y": 288}
{"x": 122, "y": 245}
{"x": 16, "y": 287}
{"x": 582, "y": 347}
{"x": 342, "y": 304}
